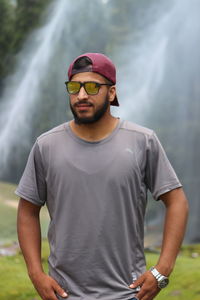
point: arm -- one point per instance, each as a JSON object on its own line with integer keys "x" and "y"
{"x": 29, "y": 234}
{"x": 174, "y": 228}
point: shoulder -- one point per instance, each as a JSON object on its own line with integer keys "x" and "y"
{"x": 143, "y": 135}
{"x": 52, "y": 134}
{"x": 135, "y": 128}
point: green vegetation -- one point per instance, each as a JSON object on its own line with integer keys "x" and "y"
{"x": 17, "y": 20}
{"x": 8, "y": 212}
{"x": 8, "y": 205}
{"x": 117, "y": 24}
{"x": 7, "y": 191}
{"x": 184, "y": 282}
{"x": 119, "y": 29}
{"x": 14, "y": 281}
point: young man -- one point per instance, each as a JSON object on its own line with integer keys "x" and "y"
{"x": 93, "y": 174}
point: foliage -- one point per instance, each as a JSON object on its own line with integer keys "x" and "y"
{"x": 183, "y": 281}
{"x": 114, "y": 27}
{"x": 8, "y": 211}
{"x": 27, "y": 14}
{"x": 6, "y": 35}
{"x": 7, "y": 191}
{"x": 114, "y": 24}
{"x": 14, "y": 282}
{"x": 16, "y": 22}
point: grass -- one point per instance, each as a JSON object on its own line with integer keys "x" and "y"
{"x": 15, "y": 284}
{"x": 8, "y": 212}
{"x": 184, "y": 281}
{"x": 7, "y": 191}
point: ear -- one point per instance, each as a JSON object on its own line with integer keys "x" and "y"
{"x": 112, "y": 93}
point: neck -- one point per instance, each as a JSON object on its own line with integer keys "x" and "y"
{"x": 95, "y": 131}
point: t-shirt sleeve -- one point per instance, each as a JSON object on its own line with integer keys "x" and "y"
{"x": 32, "y": 186}
{"x": 160, "y": 175}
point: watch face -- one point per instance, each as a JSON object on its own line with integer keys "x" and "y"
{"x": 163, "y": 283}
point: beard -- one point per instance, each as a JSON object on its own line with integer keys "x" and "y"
{"x": 97, "y": 115}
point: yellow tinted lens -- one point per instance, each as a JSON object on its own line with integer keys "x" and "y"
{"x": 91, "y": 88}
{"x": 73, "y": 87}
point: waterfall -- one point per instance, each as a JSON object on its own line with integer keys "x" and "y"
{"x": 161, "y": 89}
{"x": 21, "y": 93}
{"x": 157, "y": 79}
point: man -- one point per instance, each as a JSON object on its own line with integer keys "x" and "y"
{"x": 93, "y": 174}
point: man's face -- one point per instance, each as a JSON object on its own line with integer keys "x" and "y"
{"x": 86, "y": 108}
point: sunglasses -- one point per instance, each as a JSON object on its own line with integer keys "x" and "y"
{"x": 91, "y": 87}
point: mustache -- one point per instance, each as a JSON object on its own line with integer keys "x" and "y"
{"x": 82, "y": 102}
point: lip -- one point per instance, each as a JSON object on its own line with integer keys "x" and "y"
{"x": 83, "y": 106}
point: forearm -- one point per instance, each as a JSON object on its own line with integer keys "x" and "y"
{"x": 174, "y": 229}
{"x": 29, "y": 235}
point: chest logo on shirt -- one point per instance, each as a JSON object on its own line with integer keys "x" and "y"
{"x": 129, "y": 150}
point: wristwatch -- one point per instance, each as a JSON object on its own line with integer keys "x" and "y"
{"x": 161, "y": 279}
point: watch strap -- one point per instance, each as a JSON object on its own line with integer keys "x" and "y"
{"x": 161, "y": 279}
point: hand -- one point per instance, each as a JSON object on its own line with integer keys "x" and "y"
{"x": 148, "y": 286}
{"x": 46, "y": 287}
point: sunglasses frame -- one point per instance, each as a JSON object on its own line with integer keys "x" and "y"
{"x": 98, "y": 85}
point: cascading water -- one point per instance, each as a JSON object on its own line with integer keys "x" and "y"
{"x": 22, "y": 90}
{"x": 163, "y": 92}
{"x": 41, "y": 71}
{"x": 158, "y": 78}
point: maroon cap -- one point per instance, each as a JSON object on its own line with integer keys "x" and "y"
{"x": 100, "y": 64}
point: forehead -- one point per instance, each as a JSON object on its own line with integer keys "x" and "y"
{"x": 88, "y": 76}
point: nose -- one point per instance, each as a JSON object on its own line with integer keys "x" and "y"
{"x": 82, "y": 94}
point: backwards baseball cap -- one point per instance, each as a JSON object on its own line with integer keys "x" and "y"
{"x": 98, "y": 63}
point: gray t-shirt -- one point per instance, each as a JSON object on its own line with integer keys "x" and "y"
{"x": 96, "y": 195}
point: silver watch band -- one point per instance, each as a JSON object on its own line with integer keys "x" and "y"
{"x": 156, "y": 274}
{"x": 161, "y": 279}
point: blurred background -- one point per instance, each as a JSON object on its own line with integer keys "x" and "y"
{"x": 155, "y": 46}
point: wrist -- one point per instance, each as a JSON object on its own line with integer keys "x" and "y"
{"x": 34, "y": 274}
{"x": 162, "y": 280}
{"x": 164, "y": 269}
